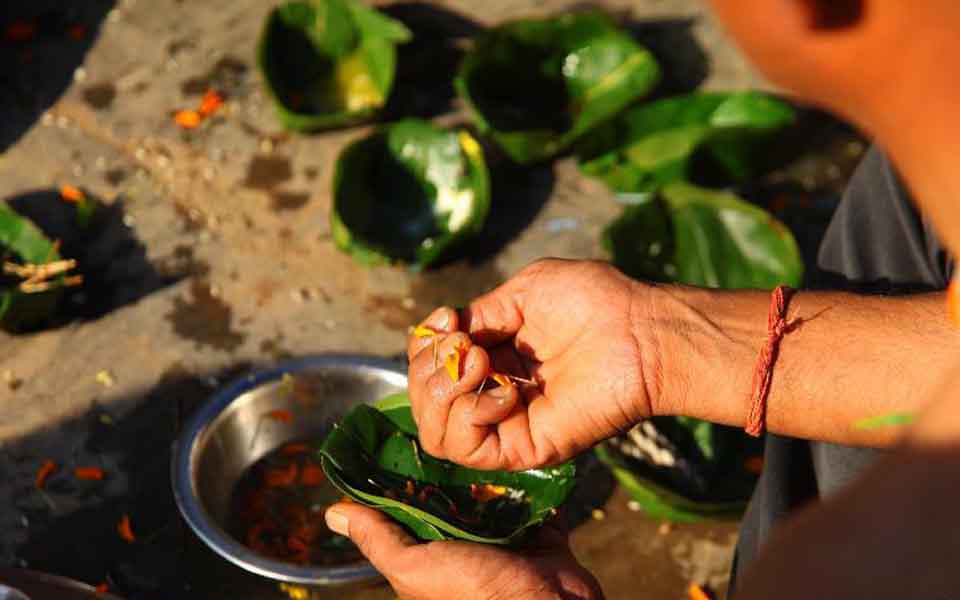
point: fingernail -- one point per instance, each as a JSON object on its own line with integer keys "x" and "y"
{"x": 500, "y": 392}
{"x": 443, "y": 319}
{"x": 338, "y": 522}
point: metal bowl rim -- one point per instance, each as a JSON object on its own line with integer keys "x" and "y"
{"x": 196, "y": 515}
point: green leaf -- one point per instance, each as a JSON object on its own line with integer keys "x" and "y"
{"x": 655, "y": 144}
{"x": 409, "y": 192}
{"x": 888, "y": 420}
{"x": 659, "y": 502}
{"x": 696, "y": 236}
{"x": 372, "y": 454}
{"x": 20, "y": 239}
{"x": 328, "y": 63}
{"x": 536, "y": 85}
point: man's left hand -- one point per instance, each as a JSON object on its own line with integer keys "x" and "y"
{"x": 463, "y": 570}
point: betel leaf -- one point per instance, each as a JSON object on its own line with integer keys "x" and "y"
{"x": 655, "y": 144}
{"x": 687, "y": 234}
{"x": 328, "y": 63}
{"x": 409, "y": 192}
{"x": 536, "y": 85}
{"x": 22, "y": 242}
{"x": 696, "y": 236}
{"x": 374, "y": 456}
{"x": 659, "y": 501}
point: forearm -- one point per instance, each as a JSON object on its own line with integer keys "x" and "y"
{"x": 889, "y": 536}
{"x": 845, "y": 357}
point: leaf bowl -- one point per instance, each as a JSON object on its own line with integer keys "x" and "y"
{"x": 536, "y": 85}
{"x": 374, "y": 457}
{"x": 409, "y": 193}
{"x": 328, "y": 63}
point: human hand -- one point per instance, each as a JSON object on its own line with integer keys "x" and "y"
{"x": 569, "y": 325}
{"x": 463, "y": 570}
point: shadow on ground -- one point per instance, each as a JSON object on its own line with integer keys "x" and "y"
{"x": 70, "y": 528}
{"x": 114, "y": 264}
{"x": 42, "y": 42}
{"x": 427, "y": 65}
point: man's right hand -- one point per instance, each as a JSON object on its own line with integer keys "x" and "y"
{"x": 571, "y": 326}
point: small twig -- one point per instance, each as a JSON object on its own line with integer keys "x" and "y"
{"x": 516, "y": 379}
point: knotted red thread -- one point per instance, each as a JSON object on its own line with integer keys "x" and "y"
{"x": 762, "y": 376}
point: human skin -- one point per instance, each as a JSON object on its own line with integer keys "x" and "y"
{"x": 607, "y": 351}
{"x": 883, "y": 65}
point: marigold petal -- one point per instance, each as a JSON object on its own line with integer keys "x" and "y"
{"x": 126, "y": 530}
{"x": 188, "y": 119}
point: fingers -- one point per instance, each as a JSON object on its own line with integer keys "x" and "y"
{"x": 442, "y": 321}
{"x": 489, "y": 408}
{"x": 382, "y": 541}
{"x": 433, "y": 391}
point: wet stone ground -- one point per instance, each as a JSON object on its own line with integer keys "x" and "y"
{"x": 215, "y": 257}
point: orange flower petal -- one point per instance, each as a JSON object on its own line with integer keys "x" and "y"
{"x": 486, "y": 492}
{"x": 188, "y": 119}
{"x": 311, "y": 475}
{"x": 72, "y": 194}
{"x": 125, "y": 530}
{"x": 501, "y": 379}
{"x": 211, "y": 103}
{"x": 295, "y": 449}
{"x": 297, "y": 545}
{"x": 44, "y": 472}
{"x": 280, "y": 414}
{"x": 695, "y": 592}
{"x": 422, "y": 331}
{"x": 284, "y": 477}
{"x": 454, "y": 362}
{"x": 89, "y": 473}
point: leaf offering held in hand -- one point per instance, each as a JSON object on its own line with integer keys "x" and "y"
{"x": 374, "y": 457}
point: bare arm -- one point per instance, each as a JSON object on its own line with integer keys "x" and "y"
{"x": 847, "y": 357}
{"x": 891, "y": 536}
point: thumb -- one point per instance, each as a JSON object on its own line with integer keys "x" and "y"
{"x": 382, "y": 541}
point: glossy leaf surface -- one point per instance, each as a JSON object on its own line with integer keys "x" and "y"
{"x": 409, "y": 193}
{"x": 537, "y": 85}
{"x": 374, "y": 456}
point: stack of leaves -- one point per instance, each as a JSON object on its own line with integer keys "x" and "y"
{"x": 410, "y": 192}
{"x": 34, "y": 274}
{"x": 674, "y": 231}
{"x": 328, "y": 63}
{"x": 537, "y": 85}
{"x": 374, "y": 457}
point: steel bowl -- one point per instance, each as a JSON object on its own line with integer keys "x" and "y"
{"x": 229, "y": 433}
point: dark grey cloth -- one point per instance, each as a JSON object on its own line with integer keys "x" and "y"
{"x": 876, "y": 243}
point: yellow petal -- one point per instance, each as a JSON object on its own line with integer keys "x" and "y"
{"x": 422, "y": 331}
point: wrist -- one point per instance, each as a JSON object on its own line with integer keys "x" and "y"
{"x": 704, "y": 344}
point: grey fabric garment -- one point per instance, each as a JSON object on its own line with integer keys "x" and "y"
{"x": 877, "y": 243}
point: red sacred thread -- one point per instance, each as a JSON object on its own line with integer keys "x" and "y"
{"x": 776, "y": 327}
